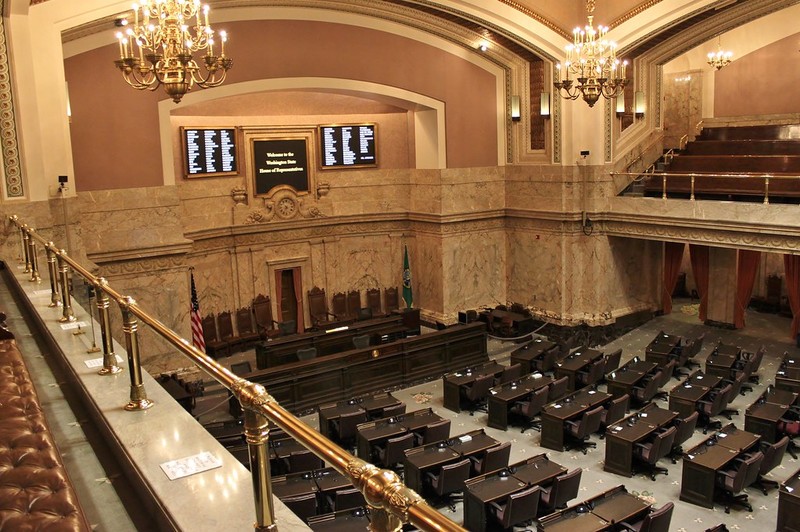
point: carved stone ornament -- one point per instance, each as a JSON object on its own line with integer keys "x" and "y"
{"x": 283, "y": 205}
{"x": 239, "y": 195}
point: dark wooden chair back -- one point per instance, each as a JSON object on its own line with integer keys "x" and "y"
{"x": 339, "y": 303}
{"x": 317, "y": 306}
{"x": 353, "y": 303}
{"x": 374, "y": 301}
{"x": 391, "y": 299}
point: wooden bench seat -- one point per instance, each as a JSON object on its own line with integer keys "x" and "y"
{"x": 723, "y": 186}
{"x": 742, "y": 147}
{"x": 789, "y": 164}
{"x": 765, "y": 132}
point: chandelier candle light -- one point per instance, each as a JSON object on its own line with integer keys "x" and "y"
{"x": 592, "y": 61}
{"x": 166, "y": 40}
{"x": 721, "y": 58}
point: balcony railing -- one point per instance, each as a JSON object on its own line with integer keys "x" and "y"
{"x": 391, "y": 503}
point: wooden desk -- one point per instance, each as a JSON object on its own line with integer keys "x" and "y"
{"x": 341, "y": 521}
{"x": 372, "y": 433}
{"x": 528, "y": 353}
{"x": 789, "y": 504}
{"x": 700, "y": 466}
{"x": 788, "y": 375}
{"x": 480, "y": 491}
{"x": 472, "y": 443}
{"x": 621, "y": 437}
{"x": 699, "y": 379}
{"x": 572, "y": 364}
{"x": 663, "y": 348}
{"x": 294, "y": 484}
{"x": 620, "y": 506}
{"x": 735, "y": 439}
{"x": 577, "y": 519}
{"x": 555, "y": 414}
{"x": 622, "y": 380}
{"x": 596, "y": 514}
{"x": 376, "y": 404}
{"x": 333, "y": 411}
{"x": 683, "y": 398}
{"x": 454, "y": 383}
{"x": 727, "y": 349}
{"x": 720, "y": 364}
{"x": 426, "y": 458}
{"x": 521, "y": 324}
{"x": 502, "y": 398}
{"x": 780, "y": 397}
{"x": 329, "y": 480}
{"x": 537, "y": 470}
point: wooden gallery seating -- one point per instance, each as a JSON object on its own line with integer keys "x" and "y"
{"x": 739, "y": 151}
{"x": 35, "y": 490}
{"x": 252, "y": 325}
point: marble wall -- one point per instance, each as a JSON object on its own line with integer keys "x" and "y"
{"x": 683, "y": 105}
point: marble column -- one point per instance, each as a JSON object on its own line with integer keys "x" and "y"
{"x": 721, "y": 285}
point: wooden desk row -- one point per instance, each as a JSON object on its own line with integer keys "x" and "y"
{"x": 683, "y": 398}
{"x": 283, "y": 350}
{"x": 372, "y": 406}
{"x": 453, "y": 384}
{"x": 570, "y": 365}
{"x": 788, "y": 375}
{"x": 701, "y": 463}
{"x": 531, "y": 352}
{"x": 622, "y": 380}
{"x": 302, "y": 385}
{"x": 599, "y": 513}
{"x": 497, "y": 486}
{"x": 502, "y": 398}
{"x": 763, "y": 415}
{"x": 376, "y": 432}
{"x": 621, "y": 437}
{"x": 555, "y": 414}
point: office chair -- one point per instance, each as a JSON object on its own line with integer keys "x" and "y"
{"x": 304, "y": 460}
{"x": 662, "y": 376}
{"x": 511, "y": 373}
{"x": 344, "y": 499}
{"x": 736, "y": 386}
{"x": 654, "y": 521}
{"x": 685, "y": 430}
{"x": 519, "y": 508}
{"x": 361, "y": 342}
{"x": 393, "y": 453}
{"x": 613, "y": 359}
{"x": 450, "y": 480}
{"x": 563, "y": 489}
{"x": 303, "y": 506}
{"x": 493, "y": 459}
{"x": 436, "y": 431}
{"x": 309, "y": 353}
{"x": 344, "y": 428}
{"x": 773, "y": 456}
{"x": 530, "y": 409}
{"x": 558, "y": 388}
{"x": 713, "y": 407}
{"x": 669, "y": 372}
{"x": 615, "y": 411}
{"x": 647, "y": 389}
{"x": 591, "y": 376}
{"x": 649, "y": 453}
{"x": 476, "y": 394}
{"x": 547, "y": 361}
{"x": 732, "y": 481}
{"x": 578, "y": 432}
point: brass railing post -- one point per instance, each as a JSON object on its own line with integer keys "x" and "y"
{"x": 15, "y": 220}
{"x": 25, "y": 248}
{"x": 691, "y": 195}
{"x": 130, "y": 326}
{"x": 103, "y": 302}
{"x": 256, "y": 433}
{"x": 52, "y": 271}
{"x": 66, "y": 306}
{"x": 663, "y": 186}
{"x": 35, "y": 277}
{"x": 766, "y": 190}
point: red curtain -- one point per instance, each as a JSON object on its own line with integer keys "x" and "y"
{"x": 792, "y": 265}
{"x": 298, "y": 295}
{"x": 278, "y": 292}
{"x": 673, "y": 255}
{"x": 699, "y": 257}
{"x": 746, "y": 268}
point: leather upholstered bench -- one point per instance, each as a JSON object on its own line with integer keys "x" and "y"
{"x": 35, "y": 491}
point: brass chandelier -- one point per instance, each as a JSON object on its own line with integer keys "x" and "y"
{"x": 721, "y": 58}
{"x": 167, "y": 33}
{"x": 592, "y": 62}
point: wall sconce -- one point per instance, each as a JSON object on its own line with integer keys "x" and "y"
{"x": 638, "y": 105}
{"x": 544, "y": 104}
{"x": 620, "y": 105}
{"x": 516, "y": 113}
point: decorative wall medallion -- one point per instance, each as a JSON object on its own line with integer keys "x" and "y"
{"x": 286, "y": 208}
{"x": 8, "y": 121}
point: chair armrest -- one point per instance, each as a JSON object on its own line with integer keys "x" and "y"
{"x": 496, "y": 506}
{"x": 625, "y": 526}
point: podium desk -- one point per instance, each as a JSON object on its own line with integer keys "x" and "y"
{"x": 453, "y": 383}
{"x": 700, "y": 466}
{"x": 530, "y": 352}
{"x": 621, "y": 381}
{"x": 502, "y": 398}
{"x": 572, "y": 364}
{"x": 419, "y": 460}
{"x": 789, "y": 504}
{"x": 480, "y": 491}
{"x": 555, "y": 415}
{"x": 622, "y": 437}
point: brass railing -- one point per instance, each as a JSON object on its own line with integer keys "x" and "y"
{"x": 391, "y": 503}
{"x": 665, "y": 176}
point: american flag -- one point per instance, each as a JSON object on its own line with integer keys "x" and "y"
{"x": 197, "y": 322}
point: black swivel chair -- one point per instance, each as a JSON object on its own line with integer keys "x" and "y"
{"x": 773, "y": 456}
{"x": 646, "y": 391}
{"x": 493, "y": 459}
{"x": 344, "y": 428}
{"x": 613, "y": 359}
{"x": 530, "y": 409}
{"x": 563, "y": 489}
{"x": 436, "y": 431}
{"x": 511, "y": 373}
{"x": 309, "y": 353}
{"x": 648, "y": 454}
{"x": 578, "y": 432}
{"x": 476, "y": 394}
{"x": 393, "y": 453}
{"x": 593, "y": 375}
{"x": 655, "y": 521}
{"x": 558, "y": 388}
{"x": 615, "y": 411}
{"x": 732, "y": 481}
{"x": 685, "y": 430}
{"x": 396, "y": 410}
{"x": 449, "y": 481}
{"x": 520, "y": 507}
{"x": 713, "y": 406}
